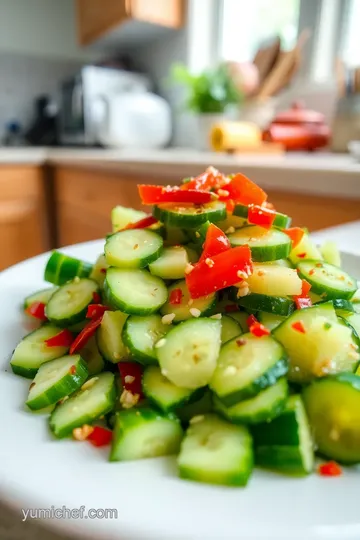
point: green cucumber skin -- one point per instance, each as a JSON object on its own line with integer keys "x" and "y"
{"x": 199, "y": 404}
{"x": 284, "y": 459}
{"x": 189, "y": 221}
{"x": 42, "y": 294}
{"x": 270, "y": 377}
{"x": 278, "y": 305}
{"x": 65, "y": 387}
{"x": 142, "y": 263}
{"x": 23, "y": 372}
{"x": 61, "y": 268}
{"x": 331, "y": 294}
{"x": 76, "y": 318}
{"x": 281, "y": 220}
{"x": 282, "y": 431}
{"x": 140, "y": 356}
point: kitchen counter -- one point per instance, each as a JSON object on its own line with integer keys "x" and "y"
{"x": 317, "y": 173}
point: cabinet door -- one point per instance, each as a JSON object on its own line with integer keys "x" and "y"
{"x": 162, "y": 12}
{"x": 96, "y": 17}
{"x": 22, "y": 215}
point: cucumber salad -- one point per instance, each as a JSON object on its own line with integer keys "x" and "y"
{"x": 209, "y": 329}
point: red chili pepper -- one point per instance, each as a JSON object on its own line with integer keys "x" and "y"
{"x": 296, "y": 234}
{"x": 231, "y": 308}
{"x": 95, "y": 310}
{"x": 251, "y": 320}
{"x": 258, "y": 215}
{"x": 209, "y": 179}
{"x": 62, "y": 339}
{"x": 131, "y": 377}
{"x": 301, "y": 255}
{"x": 100, "y": 436}
{"x": 305, "y": 288}
{"x": 37, "y": 310}
{"x": 81, "y": 340}
{"x": 259, "y": 330}
{"x": 97, "y": 298}
{"x": 302, "y": 302}
{"x": 72, "y": 370}
{"x": 216, "y": 242}
{"x": 141, "y": 224}
{"x": 243, "y": 191}
{"x": 331, "y": 468}
{"x": 175, "y": 297}
{"x": 166, "y": 194}
{"x": 204, "y": 280}
{"x": 230, "y": 205}
{"x": 299, "y": 327}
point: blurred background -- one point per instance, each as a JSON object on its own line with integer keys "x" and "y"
{"x": 99, "y": 95}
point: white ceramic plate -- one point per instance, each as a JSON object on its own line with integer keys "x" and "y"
{"x": 152, "y": 503}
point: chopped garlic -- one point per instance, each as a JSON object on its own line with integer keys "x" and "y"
{"x": 216, "y": 316}
{"x": 195, "y": 312}
{"x": 230, "y": 230}
{"x": 128, "y": 399}
{"x": 189, "y": 268}
{"x": 168, "y": 319}
{"x": 243, "y": 290}
{"x": 82, "y": 433}
{"x": 209, "y": 262}
{"x": 129, "y": 379}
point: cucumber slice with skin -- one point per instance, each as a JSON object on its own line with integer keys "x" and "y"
{"x": 270, "y": 320}
{"x": 109, "y": 337}
{"x": 230, "y": 328}
{"x": 331, "y": 253}
{"x": 188, "y": 354}
{"x": 174, "y": 236}
{"x": 342, "y": 307}
{"x": 231, "y": 222}
{"x": 323, "y": 347}
{"x": 135, "y": 292}
{"x": 333, "y": 407}
{"x": 133, "y": 248}
{"x": 205, "y": 304}
{"x": 55, "y": 380}
{"x": 162, "y": 392}
{"x": 189, "y": 215}
{"x": 203, "y": 405}
{"x": 246, "y": 366}
{"x": 198, "y": 235}
{"x": 285, "y": 444}
{"x": 265, "y": 245}
{"x": 140, "y": 335}
{"x": 172, "y": 262}
{"x": 91, "y": 354}
{"x": 274, "y": 280}
{"x": 278, "y": 305}
{"x": 122, "y": 216}
{"x": 32, "y": 351}
{"x": 68, "y": 305}
{"x": 61, "y": 268}
{"x": 241, "y": 317}
{"x": 354, "y": 320}
{"x": 281, "y": 220}
{"x": 92, "y": 401}
{"x": 327, "y": 280}
{"x": 216, "y": 452}
{"x": 264, "y": 407}
{"x": 42, "y": 296}
{"x": 144, "y": 433}
{"x": 306, "y": 249}
{"x": 98, "y": 271}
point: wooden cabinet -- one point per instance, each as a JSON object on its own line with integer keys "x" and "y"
{"x": 23, "y": 231}
{"x": 99, "y": 17}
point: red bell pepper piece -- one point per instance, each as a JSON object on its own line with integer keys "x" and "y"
{"x": 244, "y": 191}
{"x": 224, "y": 272}
{"x": 62, "y": 339}
{"x": 258, "y": 215}
{"x": 97, "y": 298}
{"x": 302, "y": 302}
{"x": 331, "y": 468}
{"x": 216, "y": 242}
{"x": 131, "y": 377}
{"x": 175, "y": 297}
{"x": 305, "y": 288}
{"x": 141, "y": 224}
{"x": 211, "y": 178}
{"x": 299, "y": 327}
{"x": 100, "y": 436}
{"x": 259, "y": 330}
{"x": 37, "y": 310}
{"x": 95, "y": 310}
{"x": 81, "y": 340}
{"x": 166, "y": 194}
{"x": 295, "y": 234}
{"x": 251, "y": 320}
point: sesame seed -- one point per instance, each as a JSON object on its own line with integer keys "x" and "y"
{"x": 216, "y": 316}
{"x": 195, "y": 312}
{"x": 197, "y": 418}
{"x": 189, "y": 268}
{"x": 129, "y": 379}
{"x": 168, "y": 319}
{"x": 230, "y": 230}
{"x": 160, "y": 343}
{"x": 209, "y": 262}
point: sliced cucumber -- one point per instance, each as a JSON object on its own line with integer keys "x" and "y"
{"x": 91, "y": 354}
{"x": 354, "y": 320}
{"x": 183, "y": 311}
{"x": 216, "y": 452}
{"x": 331, "y": 253}
{"x": 342, "y": 307}
{"x": 306, "y": 249}
{"x": 203, "y": 405}
{"x": 281, "y": 220}
{"x": 32, "y": 351}
{"x": 247, "y": 365}
{"x": 265, "y": 245}
{"x": 55, "y": 380}
{"x": 162, "y": 392}
{"x": 280, "y": 262}
{"x": 174, "y": 236}
{"x": 135, "y": 292}
{"x": 133, "y": 248}
{"x": 274, "y": 280}
{"x": 122, "y": 216}
{"x": 61, "y": 268}
{"x": 42, "y": 296}
{"x": 241, "y": 317}
{"x": 285, "y": 444}
{"x": 189, "y": 352}
{"x": 270, "y": 320}
{"x": 198, "y": 234}
{"x": 85, "y": 406}
{"x": 321, "y": 346}
{"x": 68, "y": 305}
{"x": 144, "y": 433}
{"x": 264, "y": 407}
{"x": 109, "y": 337}
{"x": 172, "y": 262}
{"x": 230, "y": 328}
{"x": 278, "y": 305}
{"x": 333, "y": 407}
{"x": 327, "y": 280}
{"x": 231, "y": 222}
{"x": 98, "y": 271}
{"x": 140, "y": 335}
{"x": 189, "y": 215}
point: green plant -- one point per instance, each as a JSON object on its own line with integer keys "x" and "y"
{"x": 209, "y": 92}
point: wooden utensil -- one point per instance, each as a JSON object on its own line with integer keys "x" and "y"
{"x": 266, "y": 58}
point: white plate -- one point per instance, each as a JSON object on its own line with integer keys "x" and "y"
{"x": 152, "y": 503}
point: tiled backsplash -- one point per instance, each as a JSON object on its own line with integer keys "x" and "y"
{"x": 22, "y": 79}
